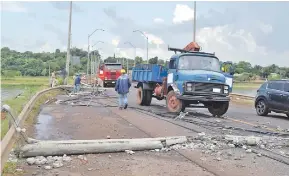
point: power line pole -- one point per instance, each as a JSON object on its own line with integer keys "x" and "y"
{"x": 195, "y": 19}
{"x": 68, "y": 46}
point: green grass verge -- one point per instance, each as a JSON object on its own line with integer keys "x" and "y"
{"x": 9, "y": 167}
{"x": 17, "y": 104}
{"x": 246, "y": 85}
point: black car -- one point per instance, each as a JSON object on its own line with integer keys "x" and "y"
{"x": 273, "y": 96}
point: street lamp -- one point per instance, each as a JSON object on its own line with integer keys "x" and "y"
{"x": 93, "y": 69}
{"x": 195, "y": 20}
{"x": 89, "y": 35}
{"x": 134, "y": 53}
{"x": 147, "y": 43}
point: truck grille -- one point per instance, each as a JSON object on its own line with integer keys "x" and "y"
{"x": 205, "y": 87}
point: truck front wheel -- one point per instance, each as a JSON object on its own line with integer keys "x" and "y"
{"x": 218, "y": 108}
{"x": 173, "y": 103}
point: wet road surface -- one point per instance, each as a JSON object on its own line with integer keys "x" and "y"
{"x": 67, "y": 121}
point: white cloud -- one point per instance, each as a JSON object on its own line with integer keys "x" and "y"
{"x": 11, "y": 6}
{"x": 266, "y": 28}
{"x": 158, "y": 20}
{"x": 154, "y": 39}
{"x": 182, "y": 13}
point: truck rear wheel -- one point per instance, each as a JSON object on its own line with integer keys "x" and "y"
{"x": 148, "y": 97}
{"x": 218, "y": 108}
{"x": 173, "y": 103}
{"x": 141, "y": 98}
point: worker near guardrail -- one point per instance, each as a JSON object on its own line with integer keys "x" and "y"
{"x": 77, "y": 81}
{"x": 122, "y": 88}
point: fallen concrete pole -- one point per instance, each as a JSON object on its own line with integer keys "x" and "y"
{"x": 72, "y": 147}
{"x": 168, "y": 140}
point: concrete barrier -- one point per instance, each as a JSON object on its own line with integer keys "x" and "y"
{"x": 9, "y": 139}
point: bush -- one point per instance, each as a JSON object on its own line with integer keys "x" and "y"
{"x": 11, "y": 73}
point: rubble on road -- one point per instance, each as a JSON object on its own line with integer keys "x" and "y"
{"x": 53, "y": 162}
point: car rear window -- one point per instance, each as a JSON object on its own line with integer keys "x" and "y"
{"x": 276, "y": 85}
{"x": 286, "y": 87}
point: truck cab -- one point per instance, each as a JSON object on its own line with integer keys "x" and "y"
{"x": 192, "y": 78}
{"x": 109, "y": 73}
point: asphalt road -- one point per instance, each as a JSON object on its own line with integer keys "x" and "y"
{"x": 238, "y": 115}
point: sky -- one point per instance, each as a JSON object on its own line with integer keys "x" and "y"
{"x": 256, "y": 32}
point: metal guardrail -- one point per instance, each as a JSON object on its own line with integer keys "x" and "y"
{"x": 10, "y": 137}
{"x": 241, "y": 96}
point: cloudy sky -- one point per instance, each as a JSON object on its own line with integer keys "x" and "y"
{"x": 251, "y": 31}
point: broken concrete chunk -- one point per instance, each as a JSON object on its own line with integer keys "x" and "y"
{"x": 30, "y": 161}
{"x": 201, "y": 134}
{"x": 47, "y": 167}
{"x": 259, "y": 154}
{"x": 19, "y": 170}
{"x": 57, "y": 164}
{"x": 231, "y": 145}
{"x": 249, "y": 151}
{"x": 129, "y": 152}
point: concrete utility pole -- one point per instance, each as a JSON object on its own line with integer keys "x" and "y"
{"x": 147, "y": 43}
{"x": 68, "y": 46}
{"x": 89, "y": 35}
{"x": 195, "y": 19}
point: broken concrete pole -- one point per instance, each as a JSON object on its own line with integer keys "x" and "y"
{"x": 244, "y": 140}
{"x": 51, "y": 149}
{"x": 172, "y": 140}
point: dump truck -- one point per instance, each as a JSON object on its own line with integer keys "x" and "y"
{"x": 109, "y": 73}
{"x": 191, "y": 79}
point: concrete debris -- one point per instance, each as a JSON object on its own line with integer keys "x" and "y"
{"x": 259, "y": 154}
{"x": 109, "y": 156}
{"x": 250, "y": 140}
{"x": 218, "y": 159}
{"x": 249, "y": 150}
{"x": 262, "y": 146}
{"x": 19, "y": 170}
{"x": 57, "y": 164}
{"x": 157, "y": 150}
{"x": 231, "y": 145}
{"x": 244, "y": 147}
{"x": 107, "y": 137}
{"x": 129, "y": 152}
{"x": 30, "y": 161}
{"x": 218, "y": 121}
{"x": 282, "y": 153}
{"x": 47, "y": 167}
{"x": 89, "y": 169}
{"x": 56, "y": 161}
{"x": 279, "y": 128}
{"x": 202, "y": 134}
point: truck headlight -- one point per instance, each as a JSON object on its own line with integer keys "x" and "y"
{"x": 189, "y": 87}
{"x": 226, "y": 89}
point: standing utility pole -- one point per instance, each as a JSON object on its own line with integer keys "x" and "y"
{"x": 134, "y": 53}
{"x": 147, "y": 43}
{"x": 89, "y": 35}
{"x": 195, "y": 20}
{"x": 68, "y": 46}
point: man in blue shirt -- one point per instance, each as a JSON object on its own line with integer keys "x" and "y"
{"x": 77, "y": 81}
{"x": 122, "y": 88}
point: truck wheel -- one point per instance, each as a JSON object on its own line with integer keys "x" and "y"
{"x": 218, "y": 108}
{"x": 173, "y": 103}
{"x": 148, "y": 97}
{"x": 141, "y": 96}
{"x": 104, "y": 84}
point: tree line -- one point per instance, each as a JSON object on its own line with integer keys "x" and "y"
{"x": 14, "y": 63}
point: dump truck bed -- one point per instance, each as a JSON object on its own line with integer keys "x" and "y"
{"x": 149, "y": 73}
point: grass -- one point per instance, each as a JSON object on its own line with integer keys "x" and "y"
{"x": 17, "y": 105}
{"x": 29, "y": 85}
{"x": 246, "y": 85}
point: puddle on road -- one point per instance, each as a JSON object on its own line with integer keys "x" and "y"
{"x": 46, "y": 126}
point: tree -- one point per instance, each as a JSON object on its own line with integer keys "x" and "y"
{"x": 153, "y": 60}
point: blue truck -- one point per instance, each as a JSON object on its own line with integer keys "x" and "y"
{"x": 191, "y": 79}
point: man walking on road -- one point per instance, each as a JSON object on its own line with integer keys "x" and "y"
{"x": 122, "y": 88}
{"x": 77, "y": 81}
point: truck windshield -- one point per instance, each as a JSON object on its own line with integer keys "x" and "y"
{"x": 199, "y": 63}
{"x": 113, "y": 67}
